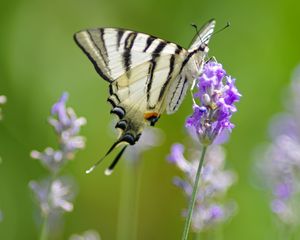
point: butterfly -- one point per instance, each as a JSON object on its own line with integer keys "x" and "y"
{"x": 147, "y": 75}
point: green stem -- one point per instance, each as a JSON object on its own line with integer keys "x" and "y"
{"x": 193, "y": 198}
{"x": 44, "y": 231}
{"x": 128, "y": 203}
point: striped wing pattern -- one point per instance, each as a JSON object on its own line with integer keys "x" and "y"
{"x": 140, "y": 69}
{"x": 204, "y": 35}
{"x": 147, "y": 75}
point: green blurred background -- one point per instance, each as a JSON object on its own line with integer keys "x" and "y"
{"x": 39, "y": 60}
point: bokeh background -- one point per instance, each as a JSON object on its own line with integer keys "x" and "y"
{"x": 39, "y": 60}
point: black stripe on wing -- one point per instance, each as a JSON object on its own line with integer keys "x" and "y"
{"x": 149, "y": 41}
{"x": 119, "y": 37}
{"x": 97, "y": 68}
{"x": 129, "y": 41}
{"x": 185, "y": 61}
{"x": 164, "y": 87}
{"x": 181, "y": 93}
{"x": 102, "y": 33}
{"x": 152, "y": 66}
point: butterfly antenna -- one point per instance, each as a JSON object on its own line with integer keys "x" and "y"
{"x": 218, "y": 31}
{"x": 101, "y": 159}
{"x": 223, "y": 28}
{"x": 195, "y": 26}
{"x": 110, "y": 169}
{"x": 197, "y": 32}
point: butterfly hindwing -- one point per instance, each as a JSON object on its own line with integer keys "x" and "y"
{"x": 142, "y": 97}
{"x": 177, "y": 93}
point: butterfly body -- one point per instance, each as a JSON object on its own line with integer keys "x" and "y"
{"x": 147, "y": 75}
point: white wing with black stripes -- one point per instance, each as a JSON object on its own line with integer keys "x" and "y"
{"x": 147, "y": 75}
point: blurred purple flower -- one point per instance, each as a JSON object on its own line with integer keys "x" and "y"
{"x": 279, "y": 162}
{"x": 3, "y": 100}
{"x": 211, "y": 207}
{"x": 217, "y": 94}
{"x": 53, "y": 196}
{"x": 67, "y": 126}
{"x": 283, "y": 190}
{"x": 151, "y": 137}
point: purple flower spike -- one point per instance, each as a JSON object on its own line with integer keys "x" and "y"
{"x": 177, "y": 157}
{"x": 217, "y": 94}
{"x": 279, "y": 160}
{"x": 59, "y": 109}
{"x": 211, "y": 206}
{"x": 53, "y": 195}
{"x": 67, "y": 126}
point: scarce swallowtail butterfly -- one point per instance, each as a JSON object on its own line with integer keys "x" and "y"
{"x": 147, "y": 75}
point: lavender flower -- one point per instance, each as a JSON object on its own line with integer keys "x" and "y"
{"x": 279, "y": 162}
{"x": 210, "y": 209}
{"x": 217, "y": 94}
{"x": 67, "y": 126}
{"x": 55, "y": 194}
{"x": 280, "y": 166}
{"x": 3, "y": 100}
{"x": 88, "y": 235}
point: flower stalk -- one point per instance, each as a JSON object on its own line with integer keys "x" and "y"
{"x": 129, "y": 203}
{"x": 193, "y": 197}
{"x": 209, "y": 124}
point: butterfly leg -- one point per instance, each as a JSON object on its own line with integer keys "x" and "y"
{"x": 213, "y": 58}
{"x": 191, "y": 90}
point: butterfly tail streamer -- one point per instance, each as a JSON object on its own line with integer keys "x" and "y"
{"x": 115, "y": 145}
{"x": 110, "y": 169}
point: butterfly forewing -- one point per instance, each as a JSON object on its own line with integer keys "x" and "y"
{"x": 116, "y": 51}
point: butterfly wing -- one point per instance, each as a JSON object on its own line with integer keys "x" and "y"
{"x": 147, "y": 75}
{"x": 140, "y": 100}
{"x": 115, "y": 51}
{"x": 191, "y": 68}
{"x": 204, "y": 35}
{"x": 177, "y": 92}
{"x": 140, "y": 69}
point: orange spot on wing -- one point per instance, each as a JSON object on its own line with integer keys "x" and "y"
{"x": 149, "y": 115}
